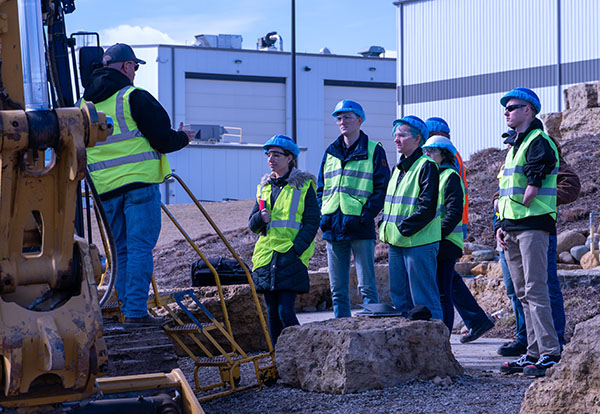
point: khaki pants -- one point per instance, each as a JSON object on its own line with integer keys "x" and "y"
{"x": 527, "y": 259}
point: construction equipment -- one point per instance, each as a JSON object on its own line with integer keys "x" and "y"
{"x": 51, "y": 348}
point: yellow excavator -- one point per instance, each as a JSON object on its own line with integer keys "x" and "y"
{"x": 52, "y": 353}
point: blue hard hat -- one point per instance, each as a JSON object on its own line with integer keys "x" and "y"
{"x": 349, "y": 106}
{"x": 436, "y": 124}
{"x": 415, "y": 122}
{"x": 523, "y": 94}
{"x": 440, "y": 142}
{"x": 284, "y": 142}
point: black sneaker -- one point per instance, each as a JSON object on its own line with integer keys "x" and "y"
{"x": 517, "y": 365}
{"x": 143, "y": 321}
{"x": 539, "y": 368}
{"x": 513, "y": 348}
{"x": 476, "y": 333}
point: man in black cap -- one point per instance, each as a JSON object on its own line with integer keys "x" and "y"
{"x": 126, "y": 170}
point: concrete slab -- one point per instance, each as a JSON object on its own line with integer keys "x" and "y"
{"x": 479, "y": 355}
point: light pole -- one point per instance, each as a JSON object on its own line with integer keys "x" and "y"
{"x": 294, "y": 125}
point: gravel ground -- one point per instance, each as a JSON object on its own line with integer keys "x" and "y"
{"x": 475, "y": 392}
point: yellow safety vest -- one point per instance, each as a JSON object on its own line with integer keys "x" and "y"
{"x": 286, "y": 221}
{"x": 401, "y": 202}
{"x": 513, "y": 183}
{"x": 456, "y": 236}
{"x": 348, "y": 187}
{"x": 125, "y": 157}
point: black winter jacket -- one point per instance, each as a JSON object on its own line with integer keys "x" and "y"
{"x": 429, "y": 181}
{"x": 151, "y": 118}
{"x": 286, "y": 271}
{"x": 453, "y": 200}
{"x": 541, "y": 160}
{"x": 337, "y": 226}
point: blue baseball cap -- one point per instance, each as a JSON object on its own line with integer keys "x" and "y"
{"x": 415, "y": 122}
{"x": 436, "y": 124}
{"x": 284, "y": 142}
{"x": 523, "y": 94}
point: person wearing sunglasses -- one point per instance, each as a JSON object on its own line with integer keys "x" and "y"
{"x": 126, "y": 170}
{"x": 286, "y": 215}
{"x": 351, "y": 190}
{"x": 526, "y": 218}
{"x": 411, "y": 223}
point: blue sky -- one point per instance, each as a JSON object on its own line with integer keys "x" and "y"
{"x": 344, "y": 26}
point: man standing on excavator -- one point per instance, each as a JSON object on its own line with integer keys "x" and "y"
{"x": 126, "y": 170}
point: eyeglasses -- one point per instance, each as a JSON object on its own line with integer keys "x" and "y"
{"x": 511, "y": 108}
{"x": 345, "y": 118}
{"x": 431, "y": 150}
{"x": 275, "y": 154}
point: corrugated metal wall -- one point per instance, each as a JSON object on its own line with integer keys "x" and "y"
{"x": 460, "y": 56}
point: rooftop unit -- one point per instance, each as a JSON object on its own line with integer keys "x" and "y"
{"x": 374, "y": 51}
{"x": 221, "y": 41}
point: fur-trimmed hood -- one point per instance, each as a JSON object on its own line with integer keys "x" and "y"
{"x": 296, "y": 178}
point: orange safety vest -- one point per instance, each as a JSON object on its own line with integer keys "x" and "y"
{"x": 463, "y": 175}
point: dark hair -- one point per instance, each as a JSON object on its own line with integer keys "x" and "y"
{"x": 447, "y": 157}
{"x": 293, "y": 163}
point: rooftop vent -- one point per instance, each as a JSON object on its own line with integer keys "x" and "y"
{"x": 325, "y": 51}
{"x": 221, "y": 41}
{"x": 267, "y": 42}
{"x": 374, "y": 51}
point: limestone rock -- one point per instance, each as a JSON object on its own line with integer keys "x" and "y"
{"x": 489, "y": 292}
{"x": 552, "y": 122}
{"x": 472, "y": 247}
{"x": 568, "y": 266}
{"x": 578, "y": 251}
{"x": 484, "y": 255}
{"x": 580, "y": 123}
{"x": 466, "y": 258}
{"x": 383, "y": 285}
{"x": 581, "y": 96}
{"x": 464, "y": 268}
{"x": 480, "y": 269}
{"x": 494, "y": 270}
{"x": 319, "y": 293}
{"x": 572, "y": 386}
{"x": 568, "y": 239}
{"x": 565, "y": 257}
{"x": 347, "y": 355}
{"x": 589, "y": 260}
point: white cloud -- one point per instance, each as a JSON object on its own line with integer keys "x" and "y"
{"x": 135, "y": 35}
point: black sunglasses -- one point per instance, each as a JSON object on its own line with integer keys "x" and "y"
{"x": 510, "y": 108}
{"x": 136, "y": 65}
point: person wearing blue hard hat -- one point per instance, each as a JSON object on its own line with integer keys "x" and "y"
{"x": 411, "y": 224}
{"x": 526, "y": 218}
{"x": 286, "y": 214}
{"x": 351, "y": 190}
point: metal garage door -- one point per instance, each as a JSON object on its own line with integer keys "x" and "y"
{"x": 380, "y": 109}
{"x": 256, "y": 107}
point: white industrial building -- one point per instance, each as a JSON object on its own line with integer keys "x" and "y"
{"x": 456, "y": 58}
{"x": 250, "y": 90}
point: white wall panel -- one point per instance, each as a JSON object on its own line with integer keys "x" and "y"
{"x": 446, "y": 39}
{"x": 580, "y": 39}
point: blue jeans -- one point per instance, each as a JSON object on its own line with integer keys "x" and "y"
{"x": 466, "y": 305}
{"x": 556, "y": 297}
{"x": 338, "y": 260}
{"x": 281, "y": 312}
{"x": 134, "y": 218}
{"x": 413, "y": 278}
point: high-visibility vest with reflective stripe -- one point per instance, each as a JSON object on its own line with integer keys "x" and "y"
{"x": 456, "y": 236}
{"x": 513, "y": 183}
{"x": 401, "y": 202}
{"x": 126, "y": 156}
{"x": 348, "y": 187}
{"x": 286, "y": 221}
{"x": 462, "y": 171}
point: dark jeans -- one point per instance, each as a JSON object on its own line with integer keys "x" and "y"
{"x": 445, "y": 279}
{"x": 466, "y": 305}
{"x": 556, "y": 297}
{"x": 281, "y": 312}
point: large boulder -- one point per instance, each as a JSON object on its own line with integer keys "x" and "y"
{"x": 572, "y": 386}
{"x": 580, "y": 123}
{"x": 581, "y": 96}
{"x": 569, "y": 239}
{"x": 489, "y": 292}
{"x": 383, "y": 285}
{"x": 578, "y": 251}
{"x": 319, "y": 296}
{"x": 589, "y": 260}
{"x": 552, "y": 122}
{"x": 464, "y": 268}
{"x": 486, "y": 255}
{"x": 347, "y": 355}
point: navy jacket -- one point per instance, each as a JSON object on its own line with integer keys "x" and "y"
{"x": 337, "y": 226}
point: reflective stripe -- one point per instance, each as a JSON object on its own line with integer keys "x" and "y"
{"x": 458, "y": 229}
{"x": 128, "y": 159}
{"x": 347, "y": 190}
{"x": 120, "y": 112}
{"x": 401, "y": 200}
{"x": 285, "y": 223}
{"x": 349, "y": 173}
{"x": 521, "y": 170}
{"x": 521, "y": 191}
{"x": 397, "y": 217}
{"x": 291, "y": 221}
{"x": 121, "y": 137}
